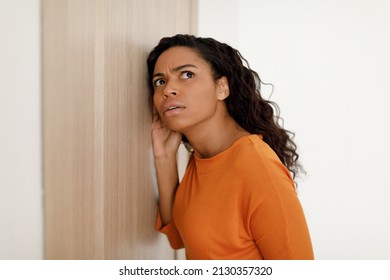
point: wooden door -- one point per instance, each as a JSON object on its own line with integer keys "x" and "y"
{"x": 99, "y": 186}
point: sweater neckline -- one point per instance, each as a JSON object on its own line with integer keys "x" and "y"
{"x": 206, "y": 165}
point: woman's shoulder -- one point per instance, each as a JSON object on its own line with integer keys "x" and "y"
{"x": 252, "y": 147}
{"x": 256, "y": 160}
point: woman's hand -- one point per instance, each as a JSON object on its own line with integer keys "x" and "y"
{"x": 165, "y": 145}
{"x": 165, "y": 141}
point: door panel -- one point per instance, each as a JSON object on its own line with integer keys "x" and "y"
{"x": 100, "y": 197}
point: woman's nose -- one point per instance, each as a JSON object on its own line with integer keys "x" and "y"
{"x": 169, "y": 93}
{"x": 169, "y": 90}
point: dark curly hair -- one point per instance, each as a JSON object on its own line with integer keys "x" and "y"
{"x": 244, "y": 103}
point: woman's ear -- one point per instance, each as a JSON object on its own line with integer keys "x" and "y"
{"x": 222, "y": 88}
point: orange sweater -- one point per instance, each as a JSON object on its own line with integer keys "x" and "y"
{"x": 239, "y": 204}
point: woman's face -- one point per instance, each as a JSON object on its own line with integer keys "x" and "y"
{"x": 185, "y": 93}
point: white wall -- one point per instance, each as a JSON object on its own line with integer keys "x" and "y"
{"x": 329, "y": 62}
{"x": 21, "y": 226}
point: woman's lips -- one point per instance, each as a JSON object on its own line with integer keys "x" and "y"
{"x": 173, "y": 110}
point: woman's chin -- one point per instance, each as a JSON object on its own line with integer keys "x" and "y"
{"x": 176, "y": 126}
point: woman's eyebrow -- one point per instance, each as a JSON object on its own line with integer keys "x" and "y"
{"x": 176, "y": 69}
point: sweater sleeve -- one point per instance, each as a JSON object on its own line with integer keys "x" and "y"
{"x": 279, "y": 226}
{"x": 170, "y": 231}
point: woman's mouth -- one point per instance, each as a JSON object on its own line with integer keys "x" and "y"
{"x": 173, "y": 110}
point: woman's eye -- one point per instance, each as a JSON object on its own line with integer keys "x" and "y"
{"x": 187, "y": 75}
{"x": 158, "y": 82}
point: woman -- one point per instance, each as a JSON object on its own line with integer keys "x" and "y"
{"x": 237, "y": 199}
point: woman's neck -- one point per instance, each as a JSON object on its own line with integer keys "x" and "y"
{"x": 216, "y": 138}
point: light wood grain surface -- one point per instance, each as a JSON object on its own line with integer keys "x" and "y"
{"x": 100, "y": 201}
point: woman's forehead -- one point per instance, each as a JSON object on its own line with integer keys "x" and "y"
{"x": 177, "y": 56}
